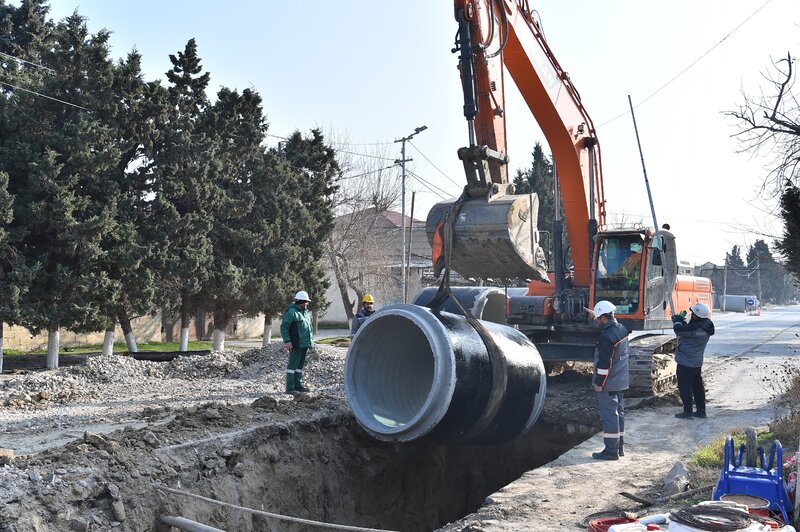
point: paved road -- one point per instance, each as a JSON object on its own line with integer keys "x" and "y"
{"x": 745, "y": 351}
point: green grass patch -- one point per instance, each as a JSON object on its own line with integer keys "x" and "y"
{"x": 713, "y": 454}
{"x": 118, "y": 347}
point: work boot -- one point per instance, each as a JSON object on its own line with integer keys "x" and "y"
{"x": 700, "y": 414}
{"x": 684, "y": 415}
{"x": 290, "y": 391}
{"x": 302, "y": 389}
{"x": 621, "y": 450}
{"x": 605, "y": 455}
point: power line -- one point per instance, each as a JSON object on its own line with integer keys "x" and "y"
{"x": 41, "y": 95}
{"x": 679, "y": 74}
{"x": 431, "y": 163}
{"x": 343, "y": 151}
{"x": 385, "y": 143}
{"x": 367, "y": 155}
{"x": 19, "y": 59}
{"x": 367, "y": 173}
{"x": 430, "y": 186}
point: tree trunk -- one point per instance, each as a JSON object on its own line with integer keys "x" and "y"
{"x": 221, "y": 320}
{"x": 167, "y": 325}
{"x": 52, "y": 348}
{"x": 200, "y": 324}
{"x": 267, "y": 337}
{"x": 108, "y": 341}
{"x": 184, "y": 324}
{"x": 127, "y": 332}
{"x": 184, "y": 343}
{"x": 1, "y": 347}
{"x": 219, "y": 340}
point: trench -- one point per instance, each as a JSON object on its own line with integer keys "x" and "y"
{"x": 335, "y": 473}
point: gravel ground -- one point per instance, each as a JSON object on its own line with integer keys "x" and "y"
{"x": 42, "y": 409}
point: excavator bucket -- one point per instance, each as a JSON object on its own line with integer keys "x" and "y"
{"x": 492, "y": 238}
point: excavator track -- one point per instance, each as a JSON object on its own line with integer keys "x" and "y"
{"x": 652, "y": 364}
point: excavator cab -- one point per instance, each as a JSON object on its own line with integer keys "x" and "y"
{"x": 636, "y": 271}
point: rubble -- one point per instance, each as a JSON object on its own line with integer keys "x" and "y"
{"x": 213, "y": 423}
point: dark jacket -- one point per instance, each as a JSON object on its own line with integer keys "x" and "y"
{"x": 359, "y": 319}
{"x": 692, "y": 340}
{"x": 611, "y": 370}
{"x": 297, "y": 328}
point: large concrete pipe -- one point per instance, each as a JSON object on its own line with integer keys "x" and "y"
{"x": 412, "y": 373}
{"x": 487, "y": 303}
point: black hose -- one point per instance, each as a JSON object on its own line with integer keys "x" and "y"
{"x": 505, "y": 31}
{"x": 711, "y": 518}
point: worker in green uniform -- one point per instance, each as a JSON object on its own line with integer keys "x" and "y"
{"x": 297, "y": 332}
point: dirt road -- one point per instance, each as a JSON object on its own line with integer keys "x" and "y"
{"x": 742, "y": 371}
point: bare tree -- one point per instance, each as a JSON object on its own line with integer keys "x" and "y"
{"x": 770, "y": 123}
{"x": 358, "y": 250}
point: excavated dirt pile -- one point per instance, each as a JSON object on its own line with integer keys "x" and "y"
{"x": 218, "y": 426}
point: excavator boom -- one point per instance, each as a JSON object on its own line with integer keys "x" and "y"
{"x": 496, "y": 36}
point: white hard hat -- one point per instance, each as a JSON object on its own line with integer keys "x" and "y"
{"x": 302, "y": 295}
{"x": 604, "y": 307}
{"x": 700, "y": 310}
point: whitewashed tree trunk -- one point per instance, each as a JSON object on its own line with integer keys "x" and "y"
{"x": 267, "y": 338}
{"x": 130, "y": 341}
{"x": 108, "y": 342}
{"x": 1, "y": 347}
{"x": 52, "y": 348}
{"x": 219, "y": 340}
{"x": 184, "y": 339}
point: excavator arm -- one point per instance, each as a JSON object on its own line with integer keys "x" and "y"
{"x": 496, "y": 36}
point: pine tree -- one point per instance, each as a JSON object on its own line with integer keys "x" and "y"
{"x": 53, "y": 152}
{"x": 130, "y": 258}
{"x": 316, "y": 170}
{"x": 238, "y": 124}
{"x": 738, "y": 275}
{"x": 186, "y": 197}
{"x": 789, "y": 243}
{"x": 539, "y": 179}
{"x": 24, "y": 32}
{"x": 769, "y": 275}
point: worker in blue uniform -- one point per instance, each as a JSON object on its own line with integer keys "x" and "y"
{"x": 610, "y": 379}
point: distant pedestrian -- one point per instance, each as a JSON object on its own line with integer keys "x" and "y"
{"x": 692, "y": 340}
{"x": 610, "y": 379}
{"x": 297, "y": 332}
{"x": 367, "y": 309}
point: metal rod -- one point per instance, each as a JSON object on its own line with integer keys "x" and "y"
{"x": 187, "y": 524}
{"x": 327, "y": 526}
{"x": 408, "y": 254}
{"x": 649, "y": 195}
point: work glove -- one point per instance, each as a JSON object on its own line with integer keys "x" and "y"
{"x": 677, "y": 318}
{"x": 682, "y": 314}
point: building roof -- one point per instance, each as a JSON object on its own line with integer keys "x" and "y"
{"x": 385, "y": 220}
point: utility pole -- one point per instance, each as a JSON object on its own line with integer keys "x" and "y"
{"x": 403, "y": 161}
{"x": 758, "y": 280}
{"x": 725, "y": 285}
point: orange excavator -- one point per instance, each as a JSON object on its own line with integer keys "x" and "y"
{"x": 489, "y": 232}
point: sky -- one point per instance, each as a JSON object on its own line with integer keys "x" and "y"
{"x": 369, "y": 72}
